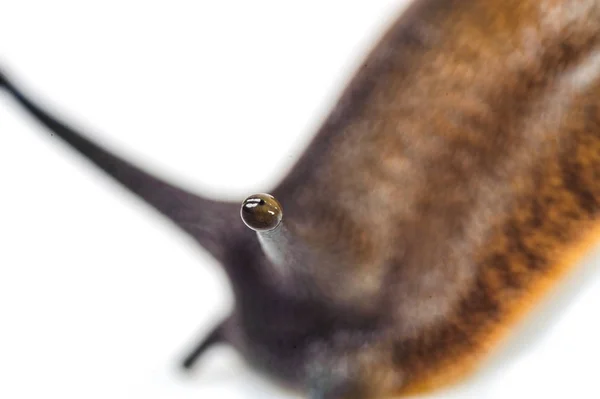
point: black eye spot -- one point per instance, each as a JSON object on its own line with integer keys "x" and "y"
{"x": 261, "y": 212}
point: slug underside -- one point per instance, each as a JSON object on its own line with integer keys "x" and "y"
{"x": 455, "y": 182}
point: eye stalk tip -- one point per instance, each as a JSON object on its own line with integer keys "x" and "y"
{"x": 261, "y": 212}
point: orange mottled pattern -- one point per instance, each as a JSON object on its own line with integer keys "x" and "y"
{"x": 552, "y": 219}
{"x": 551, "y": 226}
{"x": 553, "y": 222}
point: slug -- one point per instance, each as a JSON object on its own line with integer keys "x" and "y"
{"x": 454, "y": 182}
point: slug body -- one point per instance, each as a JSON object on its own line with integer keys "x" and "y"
{"x": 454, "y": 182}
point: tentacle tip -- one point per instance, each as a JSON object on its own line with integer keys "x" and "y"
{"x": 261, "y": 212}
{"x": 187, "y": 365}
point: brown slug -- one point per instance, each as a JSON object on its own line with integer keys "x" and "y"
{"x": 455, "y": 181}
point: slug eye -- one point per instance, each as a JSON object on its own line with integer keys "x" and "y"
{"x": 261, "y": 212}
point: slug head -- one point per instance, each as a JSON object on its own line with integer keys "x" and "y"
{"x": 280, "y": 323}
{"x": 291, "y": 318}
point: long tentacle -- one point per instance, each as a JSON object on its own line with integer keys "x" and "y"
{"x": 208, "y": 221}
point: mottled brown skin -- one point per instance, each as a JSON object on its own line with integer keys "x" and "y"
{"x": 455, "y": 182}
{"x": 462, "y": 130}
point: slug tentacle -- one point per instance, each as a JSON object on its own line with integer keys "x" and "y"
{"x": 217, "y": 335}
{"x": 208, "y": 222}
{"x": 263, "y": 214}
{"x": 287, "y": 252}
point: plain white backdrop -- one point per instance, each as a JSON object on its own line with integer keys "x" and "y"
{"x": 99, "y": 296}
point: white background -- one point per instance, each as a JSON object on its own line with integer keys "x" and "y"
{"x": 99, "y": 296}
